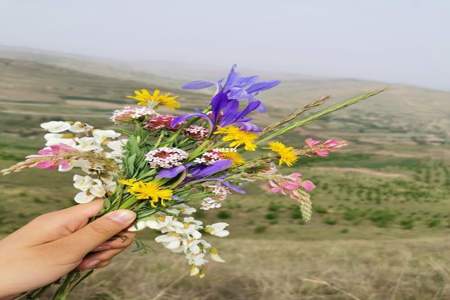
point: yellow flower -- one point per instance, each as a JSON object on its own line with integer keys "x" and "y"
{"x": 238, "y": 137}
{"x": 148, "y": 190}
{"x": 235, "y": 157}
{"x": 145, "y": 98}
{"x": 287, "y": 154}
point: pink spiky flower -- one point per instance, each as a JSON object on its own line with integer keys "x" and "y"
{"x": 161, "y": 122}
{"x": 323, "y": 149}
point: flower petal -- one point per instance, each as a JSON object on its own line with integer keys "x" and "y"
{"x": 197, "y": 85}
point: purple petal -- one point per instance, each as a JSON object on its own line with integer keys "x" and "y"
{"x": 198, "y": 85}
{"x": 217, "y": 103}
{"x": 219, "y": 166}
{"x": 230, "y": 112}
{"x": 250, "y": 107}
{"x": 183, "y": 118}
{"x": 244, "y": 81}
{"x": 262, "y": 86}
{"x": 232, "y": 76}
{"x": 233, "y": 187}
{"x": 246, "y": 126}
{"x": 172, "y": 172}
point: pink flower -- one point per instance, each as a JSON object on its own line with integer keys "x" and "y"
{"x": 289, "y": 185}
{"x": 129, "y": 113}
{"x": 324, "y": 149}
{"x": 161, "y": 122}
{"x": 308, "y": 185}
{"x": 53, "y": 157}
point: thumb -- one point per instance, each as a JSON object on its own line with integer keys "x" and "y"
{"x": 99, "y": 231}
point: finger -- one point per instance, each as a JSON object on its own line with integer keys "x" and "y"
{"x": 54, "y": 225}
{"x": 99, "y": 265}
{"x": 93, "y": 234}
{"x": 120, "y": 241}
{"x": 92, "y": 260}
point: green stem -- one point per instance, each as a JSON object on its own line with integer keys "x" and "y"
{"x": 318, "y": 115}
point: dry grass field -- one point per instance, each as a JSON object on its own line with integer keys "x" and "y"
{"x": 381, "y": 211}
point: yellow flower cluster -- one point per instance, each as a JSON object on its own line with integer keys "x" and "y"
{"x": 287, "y": 154}
{"x": 235, "y": 157}
{"x": 238, "y": 137}
{"x": 145, "y": 98}
{"x": 147, "y": 190}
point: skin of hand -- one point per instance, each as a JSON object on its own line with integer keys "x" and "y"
{"x": 56, "y": 243}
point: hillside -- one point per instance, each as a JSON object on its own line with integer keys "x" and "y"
{"x": 381, "y": 211}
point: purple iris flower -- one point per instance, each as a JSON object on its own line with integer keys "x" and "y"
{"x": 224, "y": 112}
{"x": 225, "y": 103}
{"x": 236, "y": 87}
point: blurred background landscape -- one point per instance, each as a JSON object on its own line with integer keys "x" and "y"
{"x": 381, "y": 222}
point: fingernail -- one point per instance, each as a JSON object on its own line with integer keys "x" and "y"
{"x": 122, "y": 216}
{"x": 102, "y": 248}
{"x": 91, "y": 263}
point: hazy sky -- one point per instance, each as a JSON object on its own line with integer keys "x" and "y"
{"x": 390, "y": 40}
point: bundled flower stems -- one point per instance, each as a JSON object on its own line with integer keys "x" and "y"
{"x": 165, "y": 167}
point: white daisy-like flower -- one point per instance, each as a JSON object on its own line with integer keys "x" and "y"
{"x": 56, "y": 126}
{"x": 166, "y": 157}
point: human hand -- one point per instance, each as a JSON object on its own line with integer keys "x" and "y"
{"x": 55, "y": 243}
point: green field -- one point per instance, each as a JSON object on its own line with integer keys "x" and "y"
{"x": 381, "y": 210}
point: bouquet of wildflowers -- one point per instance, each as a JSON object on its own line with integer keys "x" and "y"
{"x": 165, "y": 167}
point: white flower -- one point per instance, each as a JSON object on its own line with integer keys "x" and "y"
{"x": 197, "y": 260}
{"x": 138, "y": 226}
{"x": 83, "y": 197}
{"x": 80, "y": 127}
{"x": 56, "y": 126}
{"x": 171, "y": 241}
{"x": 87, "y": 144}
{"x": 217, "y": 229}
{"x": 209, "y": 203}
{"x": 185, "y": 209}
{"x": 129, "y": 113}
{"x": 90, "y": 188}
{"x": 82, "y": 183}
{"x": 109, "y": 183}
{"x": 102, "y": 135}
{"x": 161, "y": 222}
{"x": 117, "y": 149}
{"x": 97, "y": 189}
{"x": 83, "y": 164}
{"x": 166, "y": 157}
{"x": 56, "y": 138}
